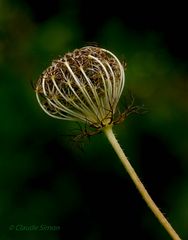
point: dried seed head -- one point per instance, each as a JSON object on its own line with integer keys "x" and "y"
{"x": 84, "y": 85}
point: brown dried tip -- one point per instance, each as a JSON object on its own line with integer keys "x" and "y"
{"x": 84, "y": 85}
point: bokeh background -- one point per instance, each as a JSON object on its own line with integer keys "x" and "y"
{"x": 84, "y": 193}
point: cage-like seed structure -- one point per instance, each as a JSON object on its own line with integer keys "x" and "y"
{"x": 84, "y": 85}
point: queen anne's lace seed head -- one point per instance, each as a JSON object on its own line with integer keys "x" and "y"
{"x": 84, "y": 85}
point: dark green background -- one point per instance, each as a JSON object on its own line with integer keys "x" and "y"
{"x": 44, "y": 177}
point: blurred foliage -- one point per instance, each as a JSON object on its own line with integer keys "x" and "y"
{"x": 44, "y": 177}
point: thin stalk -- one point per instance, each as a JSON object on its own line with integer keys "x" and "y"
{"x": 139, "y": 185}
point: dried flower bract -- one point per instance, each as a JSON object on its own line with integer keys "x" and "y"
{"x": 84, "y": 85}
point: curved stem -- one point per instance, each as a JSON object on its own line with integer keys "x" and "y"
{"x": 151, "y": 204}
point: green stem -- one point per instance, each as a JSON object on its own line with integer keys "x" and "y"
{"x": 151, "y": 204}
